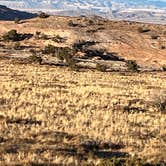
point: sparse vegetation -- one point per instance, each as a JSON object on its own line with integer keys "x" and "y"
{"x": 132, "y": 161}
{"x": 100, "y": 67}
{"x": 50, "y": 115}
{"x": 17, "y": 46}
{"x": 65, "y": 54}
{"x": 164, "y": 68}
{"x": 61, "y": 106}
{"x": 143, "y": 30}
{"x": 160, "y": 101}
{"x": 44, "y": 36}
{"x": 59, "y": 39}
{"x": 163, "y": 47}
{"x": 91, "y": 22}
{"x": 43, "y": 15}
{"x": 72, "y": 24}
{"x": 82, "y": 45}
{"x": 162, "y": 106}
{"x": 50, "y": 49}
{"x": 13, "y": 35}
{"x": 132, "y": 65}
{"x": 17, "y": 20}
{"x": 34, "y": 58}
{"x": 37, "y": 35}
{"x": 154, "y": 37}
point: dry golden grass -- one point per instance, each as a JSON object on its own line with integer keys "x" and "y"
{"x": 54, "y": 115}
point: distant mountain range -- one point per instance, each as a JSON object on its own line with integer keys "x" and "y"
{"x": 9, "y": 14}
{"x": 122, "y": 9}
{"x": 73, "y": 4}
{"x": 88, "y": 4}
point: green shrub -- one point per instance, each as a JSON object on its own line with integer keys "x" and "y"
{"x": 50, "y": 49}
{"x": 11, "y": 35}
{"x": 101, "y": 68}
{"x": 64, "y": 53}
{"x": 132, "y": 65}
{"x": 35, "y": 58}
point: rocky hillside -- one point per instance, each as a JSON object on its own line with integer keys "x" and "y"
{"x": 9, "y": 14}
{"x": 98, "y": 38}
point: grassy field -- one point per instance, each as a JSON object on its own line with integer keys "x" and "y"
{"x": 56, "y": 116}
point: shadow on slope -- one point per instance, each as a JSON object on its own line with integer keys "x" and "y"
{"x": 8, "y": 14}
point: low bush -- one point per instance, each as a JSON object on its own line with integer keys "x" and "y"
{"x": 12, "y": 35}
{"x": 164, "y": 68}
{"x": 43, "y": 15}
{"x": 62, "y": 53}
{"x": 17, "y": 46}
{"x": 91, "y": 22}
{"x": 132, "y": 65}
{"x": 163, "y": 47}
{"x": 44, "y": 36}
{"x": 101, "y": 68}
{"x": 143, "y": 30}
{"x": 72, "y": 24}
{"x": 59, "y": 39}
{"x": 82, "y": 45}
{"x": 160, "y": 101}
{"x": 35, "y": 58}
{"x": 154, "y": 37}
{"x": 50, "y": 49}
{"x": 37, "y": 35}
{"x": 72, "y": 64}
